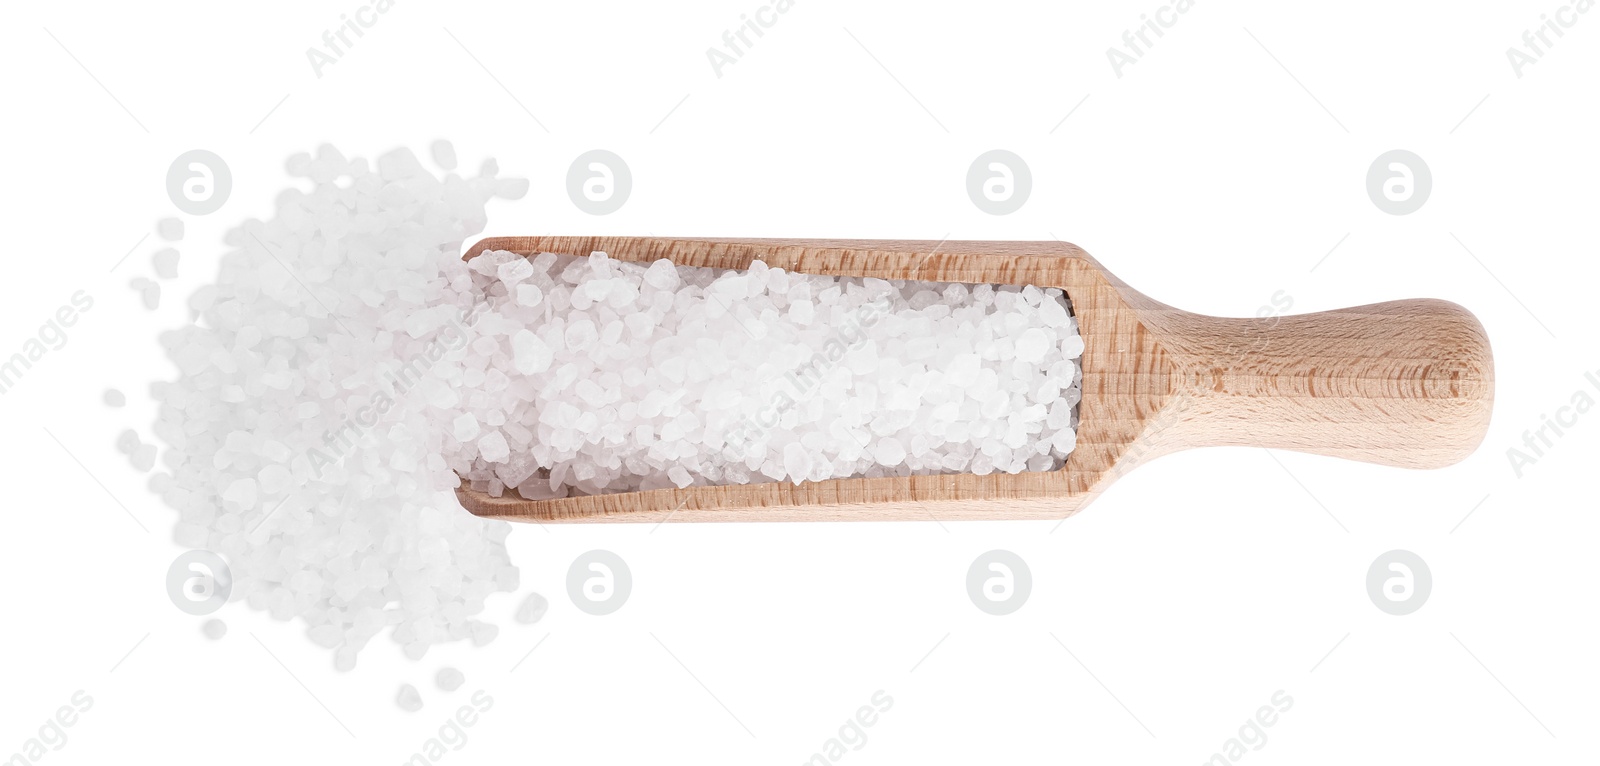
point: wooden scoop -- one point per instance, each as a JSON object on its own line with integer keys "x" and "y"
{"x": 1404, "y": 383}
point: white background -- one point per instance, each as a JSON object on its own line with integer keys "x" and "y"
{"x": 1208, "y": 176}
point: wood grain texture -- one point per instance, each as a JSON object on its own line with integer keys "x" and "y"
{"x": 1405, "y": 383}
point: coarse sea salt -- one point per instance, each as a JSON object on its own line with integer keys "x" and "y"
{"x": 316, "y": 388}
{"x": 628, "y": 376}
{"x": 346, "y": 369}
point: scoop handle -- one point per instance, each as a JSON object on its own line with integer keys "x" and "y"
{"x": 1405, "y": 383}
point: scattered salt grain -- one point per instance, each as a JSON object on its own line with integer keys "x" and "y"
{"x": 408, "y": 698}
{"x": 214, "y": 629}
{"x": 128, "y": 442}
{"x": 449, "y": 679}
{"x": 114, "y": 398}
{"x": 484, "y": 633}
{"x": 170, "y": 229}
{"x": 165, "y": 261}
{"x": 150, "y": 294}
{"x": 304, "y": 428}
{"x": 532, "y": 609}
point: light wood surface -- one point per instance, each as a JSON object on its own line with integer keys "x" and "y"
{"x": 1404, "y": 383}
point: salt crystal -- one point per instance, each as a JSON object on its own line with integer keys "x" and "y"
{"x": 963, "y": 370}
{"x": 1064, "y": 440}
{"x": 449, "y": 679}
{"x": 889, "y": 452}
{"x": 444, "y": 154}
{"x": 465, "y": 427}
{"x": 532, "y": 609}
{"x": 326, "y": 635}
{"x": 144, "y": 458}
{"x": 242, "y": 493}
{"x": 484, "y": 633}
{"x": 272, "y": 479}
{"x": 128, "y": 442}
{"x": 510, "y": 188}
{"x": 1032, "y": 345}
{"x": 170, "y": 229}
{"x": 661, "y": 275}
{"x": 1072, "y": 347}
{"x": 796, "y": 462}
{"x": 408, "y": 698}
{"x": 514, "y": 271}
{"x": 581, "y": 334}
{"x": 165, "y": 261}
{"x": 492, "y": 447}
{"x": 214, "y": 629}
{"x": 114, "y": 398}
{"x": 531, "y": 353}
{"x": 679, "y": 476}
{"x": 529, "y": 295}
